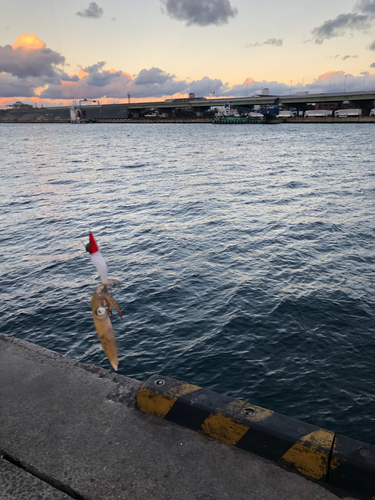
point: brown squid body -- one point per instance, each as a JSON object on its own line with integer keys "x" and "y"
{"x": 100, "y": 314}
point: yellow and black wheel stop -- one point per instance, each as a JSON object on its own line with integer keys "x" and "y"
{"x": 295, "y": 445}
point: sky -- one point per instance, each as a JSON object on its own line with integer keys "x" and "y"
{"x": 55, "y": 51}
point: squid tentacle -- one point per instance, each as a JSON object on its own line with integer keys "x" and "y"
{"x": 110, "y": 301}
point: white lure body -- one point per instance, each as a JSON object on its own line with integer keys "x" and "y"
{"x": 101, "y": 266}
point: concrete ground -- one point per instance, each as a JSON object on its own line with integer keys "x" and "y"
{"x": 16, "y": 483}
{"x": 69, "y": 430}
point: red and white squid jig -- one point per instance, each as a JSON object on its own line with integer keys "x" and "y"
{"x": 102, "y": 303}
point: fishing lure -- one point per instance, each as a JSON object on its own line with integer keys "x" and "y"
{"x": 102, "y": 303}
{"x": 97, "y": 258}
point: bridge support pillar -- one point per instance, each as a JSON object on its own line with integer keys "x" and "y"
{"x": 165, "y": 114}
{"x": 200, "y": 114}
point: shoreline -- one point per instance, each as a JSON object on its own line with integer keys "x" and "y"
{"x": 325, "y": 120}
{"x": 76, "y": 428}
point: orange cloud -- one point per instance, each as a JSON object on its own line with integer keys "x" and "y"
{"x": 82, "y": 73}
{"x": 29, "y": 42}
{"x": 330, "y": 74}
{"x": 112, "y": 70}
{"x": 249, "y": 80}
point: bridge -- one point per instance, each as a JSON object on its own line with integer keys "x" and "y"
{"x": 195, "y": 106}
{"x": 300, "y": 101}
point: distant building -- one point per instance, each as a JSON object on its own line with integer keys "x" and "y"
{"x": 20, "y": 105}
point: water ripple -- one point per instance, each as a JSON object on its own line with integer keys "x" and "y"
{"x": 245, "y": 255}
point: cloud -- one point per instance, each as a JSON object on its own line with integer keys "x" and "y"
{"x": 97, "y": 83}
{"x": 200, "y": 12}
{"x": 331, "y": 81}
{"x": 28, "y": 57}
{"x": 66, "y": 78}
{"x": 28, "y": 66}
{"x": 339, "y": 25}
{"x": 372, "y": 65}
{"x": 156, "y": 82}
{"x": 360, "y": 19}
{"x": 93, "y": 12}
{"x": 337, "y": 81}
{"x": 30, "y": 70}
{"x": 153, "y": 75}
{"x": 372, "y": 46}
{"x": 278, "y": 42}
{"x": 30, "y": 42}
{"x": 274, "y": 41}
{"x": 99, "y": 78}
{"x": 366, "y": 6}
{"x": 206, "y": 86}
{"x": 11, "y": 86}
{"x": 251, "y": 87}
{"x": 117, "y": 89}
{"x": 92, "y": 82}
{"x": 344, "y": 58}
{"x": 95, "y": 67}
{"x": 349, "y": 57}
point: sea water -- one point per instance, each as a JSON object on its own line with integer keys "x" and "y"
{"x": 245, "y": 253}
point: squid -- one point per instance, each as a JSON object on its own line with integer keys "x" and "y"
{"x": 102, "y": 304}
{"x": 104, "y": 328}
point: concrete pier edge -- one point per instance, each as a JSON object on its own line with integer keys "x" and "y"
{"x": 76, "y": 428}
{"x": 316, "y": 453}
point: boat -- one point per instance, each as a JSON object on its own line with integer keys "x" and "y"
{"x": 226, "y": 120}
{"x": 230, "y": 115}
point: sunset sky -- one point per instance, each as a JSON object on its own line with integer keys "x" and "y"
{"x": 54, "y": 51}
